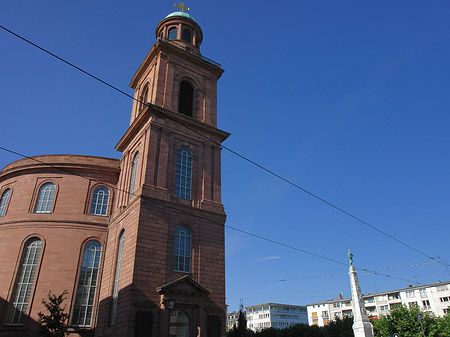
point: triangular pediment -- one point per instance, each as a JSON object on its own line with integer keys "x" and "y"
{"x": 183, "y": 285}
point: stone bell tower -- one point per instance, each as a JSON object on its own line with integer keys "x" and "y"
{"x": 164, "y": 269}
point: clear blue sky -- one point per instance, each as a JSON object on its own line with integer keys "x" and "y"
{"x": 347, "y": 99}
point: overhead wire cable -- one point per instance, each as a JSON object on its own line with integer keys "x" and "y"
{"x": 202, "y": 217}
{"x": 230, "y": 150}
{"x": 329, "y": 276}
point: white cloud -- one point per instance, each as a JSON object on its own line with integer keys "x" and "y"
{"x": 269, "y": 258}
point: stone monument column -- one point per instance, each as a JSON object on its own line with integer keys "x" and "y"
{"x": 361, "y": 324}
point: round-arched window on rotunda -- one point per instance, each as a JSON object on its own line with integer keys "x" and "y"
{"x": 187, "y": 35}
{"x": 173, "y": 32}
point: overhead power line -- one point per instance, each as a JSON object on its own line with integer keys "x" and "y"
{"x": 330, "y": 204}
{"x": 326, "y": 276}
{"x": 40, "y": 162}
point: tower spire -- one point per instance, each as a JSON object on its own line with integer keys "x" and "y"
{"x": 361, "y": 324}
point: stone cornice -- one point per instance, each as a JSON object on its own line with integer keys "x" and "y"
{"x": 205, "y": 129}
{"x": 162, "y": 45}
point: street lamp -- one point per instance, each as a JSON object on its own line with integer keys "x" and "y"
{"x": 169, "y": 304}
{"x": 419, "y": 317}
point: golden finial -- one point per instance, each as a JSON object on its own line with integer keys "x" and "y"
{"x": 181, "y": 6}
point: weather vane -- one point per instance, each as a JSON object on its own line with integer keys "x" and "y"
{"x": 181, "y": 6}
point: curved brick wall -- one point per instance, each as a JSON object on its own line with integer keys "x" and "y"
{"x": 63, "y": 231}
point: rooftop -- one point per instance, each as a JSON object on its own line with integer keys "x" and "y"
{"x": 184, "y": 14}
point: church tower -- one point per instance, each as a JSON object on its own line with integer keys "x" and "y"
{"x": 164, "y": 267}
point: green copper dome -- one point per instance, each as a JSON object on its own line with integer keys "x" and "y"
{"x": 186, "y": 15}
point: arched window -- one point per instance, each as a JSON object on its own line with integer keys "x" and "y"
{"x": 183, "y": 183}
{"x": 45, "y": 198}
{"x": 182, "y": 250}
{"x": 133, "y": 173}
{"x": 143, "y": 98}
{"x": 100, "y": 200}
{"x": 186, "y": 98}
{"x": 115, "y": 297}
{"x": 87, "y": 285}
{"x": 4, "y": 201}
{"x": 173, "y": 32}
{"x": 24, "y": 282}
{"x": 179, "y": 324}
{"x": 187, "y": 35}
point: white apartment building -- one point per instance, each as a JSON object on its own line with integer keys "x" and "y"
{"x": 275, "y": 315}
{"x": 434, "y": 298}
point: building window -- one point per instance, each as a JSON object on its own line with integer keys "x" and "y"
{"x": 426, "y": 304}
{"x": 173, "y": 32}
{"x": 100, "y": 200}
{"x": 384, "y": 307}
{"x": 410, "y": 293}
{"x": 186, "y": 35}
{"x": 183, "y": 184}
{"x": 45, "y": 198}
{"x": 24, "y": 282}
{"x": 182, "y": 250}
{"x": 115, "y": 296}
{"x": 133, "y": 173}
{"x": 179, "y": 324}
{"x": 445, "y": 299}
{"x": 87, "y": 284}
{"x": 186, "y": 101}
{"x": 395, "y": 296}
{"x": 423, "y": 293}
{"x": 143, "y": 98}
{"x": 4, "y": 201}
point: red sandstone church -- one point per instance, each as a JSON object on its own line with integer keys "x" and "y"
{"x": 138, "y": 243}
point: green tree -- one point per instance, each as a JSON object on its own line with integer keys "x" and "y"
{"x": 240, "y": 329}
{"x": 408, "y": 322}
{"x": 442, "y": 327}
{"x": 383, "y": 326}
{"x": 303, "y": 330}
{"x": 54, "y": 323}
{"x": 339, "y": 327}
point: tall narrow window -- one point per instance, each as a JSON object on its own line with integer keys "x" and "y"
{"x": 187, "y": 35}
{"x": 4, "y": 201}
{"x": 143, "y": 98}
{"x": 87, "y": 285}
{"x": 24, "y": 282}
{"x": 45, "y": 198}
{"x": 183, "y": 183}
{"x": 182, "y": 250}
{"x": 100, "y": 200}
{"x": 115, "y": 297}
{"x": 173, "y": 32}
{"x": 186, "y": 98}
{"x": 133, "y": 173}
